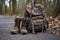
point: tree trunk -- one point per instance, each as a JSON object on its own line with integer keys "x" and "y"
{"x": 3, "y": 6}
{"x": 10, "y": 7}
{"x": 57, "y": 9}
{"x": 0, "y": 7}
{"x": 14, "y": 6}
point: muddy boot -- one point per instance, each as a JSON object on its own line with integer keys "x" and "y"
{"x": 16, "y": 27}
{"x": 15, "y": 30}
{"x": 23, "y": 29}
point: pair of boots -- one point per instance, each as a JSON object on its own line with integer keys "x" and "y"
{"x": 17, "y": 28}
{"x": 21, "y": 30}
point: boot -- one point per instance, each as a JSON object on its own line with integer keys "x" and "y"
{"x": 15, "y": 30}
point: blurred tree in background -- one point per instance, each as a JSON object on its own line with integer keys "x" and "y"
{"x": 51, "y": 7}
{"x": 56, "y": 11}
{"x": 0, "y": 7}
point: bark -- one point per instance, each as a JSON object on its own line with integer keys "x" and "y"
{"x": 3, "y": 6}
{"x": 14, "y": 6}
{"x": 57, "y": 9}
{"x": 0, "y": 7}
{"x": 10, "y": 6}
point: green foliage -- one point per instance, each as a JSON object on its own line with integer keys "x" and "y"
{"x": 18, "y": 8}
